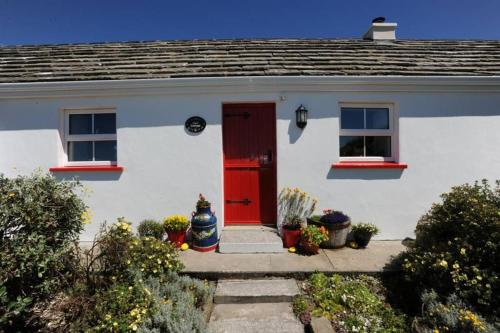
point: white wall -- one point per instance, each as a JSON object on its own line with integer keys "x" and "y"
{"x": 446, "y": 137}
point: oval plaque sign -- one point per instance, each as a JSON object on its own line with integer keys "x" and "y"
{"x": 195, "y": 124}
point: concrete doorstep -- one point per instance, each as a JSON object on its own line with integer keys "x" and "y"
{"x": 256, "y": 291}
{"x": 247, "y": 306}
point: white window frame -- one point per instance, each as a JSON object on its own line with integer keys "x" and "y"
{"x": 392, "y": 131}
{"x": 85, "y": 137}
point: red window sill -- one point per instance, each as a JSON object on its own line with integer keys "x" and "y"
{"x": 113, "y": 168}
{"x": 369, "y": 165}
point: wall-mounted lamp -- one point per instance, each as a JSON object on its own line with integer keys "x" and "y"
{"x": 301, "y": 116}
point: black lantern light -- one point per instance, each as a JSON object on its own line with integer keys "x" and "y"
{"x": 301, "y": 116}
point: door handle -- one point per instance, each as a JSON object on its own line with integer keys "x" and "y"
{"x": 245, "y": 201}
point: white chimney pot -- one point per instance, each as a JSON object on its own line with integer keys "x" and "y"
{"x": 381, "y": 31}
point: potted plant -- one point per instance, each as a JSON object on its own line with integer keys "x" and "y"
{"x": 311, "y": 237}
{"x": 176, "y": 226}
{"x": 363, "y": 232}
{"x": 291, "y": 231}
{"x": 204, "y": 226}
{"x": 294, "y": 206}
{"x": 337, "y": 224}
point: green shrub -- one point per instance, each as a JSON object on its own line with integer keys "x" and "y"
{"x": 177, "y": 305}
{"x": 151, "y": 228}
{"x": 457, "y": 248}
{"x": 121, "y": 308}
{"x": 352, "y": 304}
{"x": 453, "y": 317}
{"x": 40, "y": 219}
{"x": 117, "y": 254}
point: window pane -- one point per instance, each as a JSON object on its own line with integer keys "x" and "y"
{"x": 352, "y": 118}
{"x": 351, "y": 146}
{"x": 104, "y": 123}
{"x": 79, "y": 151}
{"x": 378, "y": 146}
{"x": 105, "y": 150}
{"x": 80, "y": 124}
{"x": 377, "y": 118}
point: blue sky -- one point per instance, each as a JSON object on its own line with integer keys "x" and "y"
{"x": 71, "y": 21}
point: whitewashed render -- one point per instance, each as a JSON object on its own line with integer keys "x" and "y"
{"x": 448, "y": 132}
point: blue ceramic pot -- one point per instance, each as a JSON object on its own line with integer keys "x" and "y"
{"x": 204, "y": 230}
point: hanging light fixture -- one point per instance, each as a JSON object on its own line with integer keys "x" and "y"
{"x": 301, "y": 116}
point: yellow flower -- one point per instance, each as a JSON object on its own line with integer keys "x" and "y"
{"x": 443, "y": 263}
{"x": 107, "y": 317}
{"x": 115, "y": 324}
{"x": 133, "y": 327}
{"x": 435, "y": 331}
{"x": 130, "y": 288}
{"x": 462, "y": 251}
{"x": 86, "y": 217}
{"x": 456, "y": 266}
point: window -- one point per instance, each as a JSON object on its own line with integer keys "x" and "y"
{"x": 367, "y": 133}
{"x": 90, "y": 137}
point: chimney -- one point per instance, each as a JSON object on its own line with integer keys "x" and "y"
{"x": 381, "y": 30}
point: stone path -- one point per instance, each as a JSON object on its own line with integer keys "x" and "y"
{"x": 261, "y": 305}
{"x": 214, "y": 265}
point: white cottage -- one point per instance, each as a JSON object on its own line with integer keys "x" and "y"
{"x": 376, "y": 127}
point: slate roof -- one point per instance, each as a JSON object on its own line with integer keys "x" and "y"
{"x": 272, "y": 57}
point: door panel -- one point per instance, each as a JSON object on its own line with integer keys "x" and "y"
{"x": 249, "y": 143}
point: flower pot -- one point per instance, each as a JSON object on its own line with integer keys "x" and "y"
{"x": 308, "y": 247}
{"x": 362, "y": 238}
{"x": 291, "y": 237}
{"x": 177, "y": 237}
{"x": 204, "y": 230}
{"x": 337, "y": 233}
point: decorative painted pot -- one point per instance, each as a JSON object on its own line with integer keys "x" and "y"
{"x": 309, "y": 248}
{"x": 337, "y": 233}
{"x": 204, "y": 230}
{"x": 291, "y": 237}
{"x": 177, "y": 237}
{"x": 362, "y": 238}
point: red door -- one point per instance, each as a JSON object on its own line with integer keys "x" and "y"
{"x": 249, "y": 141}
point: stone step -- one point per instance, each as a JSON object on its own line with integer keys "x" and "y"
{"x": 256, "y": 317}
{"x": 255, "y": 291}
{"x": 250, "y": 240}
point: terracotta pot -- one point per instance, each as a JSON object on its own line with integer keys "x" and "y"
{"x": 291, "y": 238}
{"x": 309, "y": 248}
{"x": 177, "y": 238}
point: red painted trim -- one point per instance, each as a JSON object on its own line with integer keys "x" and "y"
{"x": 205, "y": 249}
{"x": 369, "y": 165}
{"x": 114, "y": 168}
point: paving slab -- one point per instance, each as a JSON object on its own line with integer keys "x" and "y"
{"x": 253, "y": 318}
{"x": 372, "y": 259}
{"x": 256, "y": 291}
{"x": 215, "y": 265}
{"x": 252, "y": 239}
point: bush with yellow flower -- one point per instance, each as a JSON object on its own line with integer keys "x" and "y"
{"x": 456, "y": 251}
